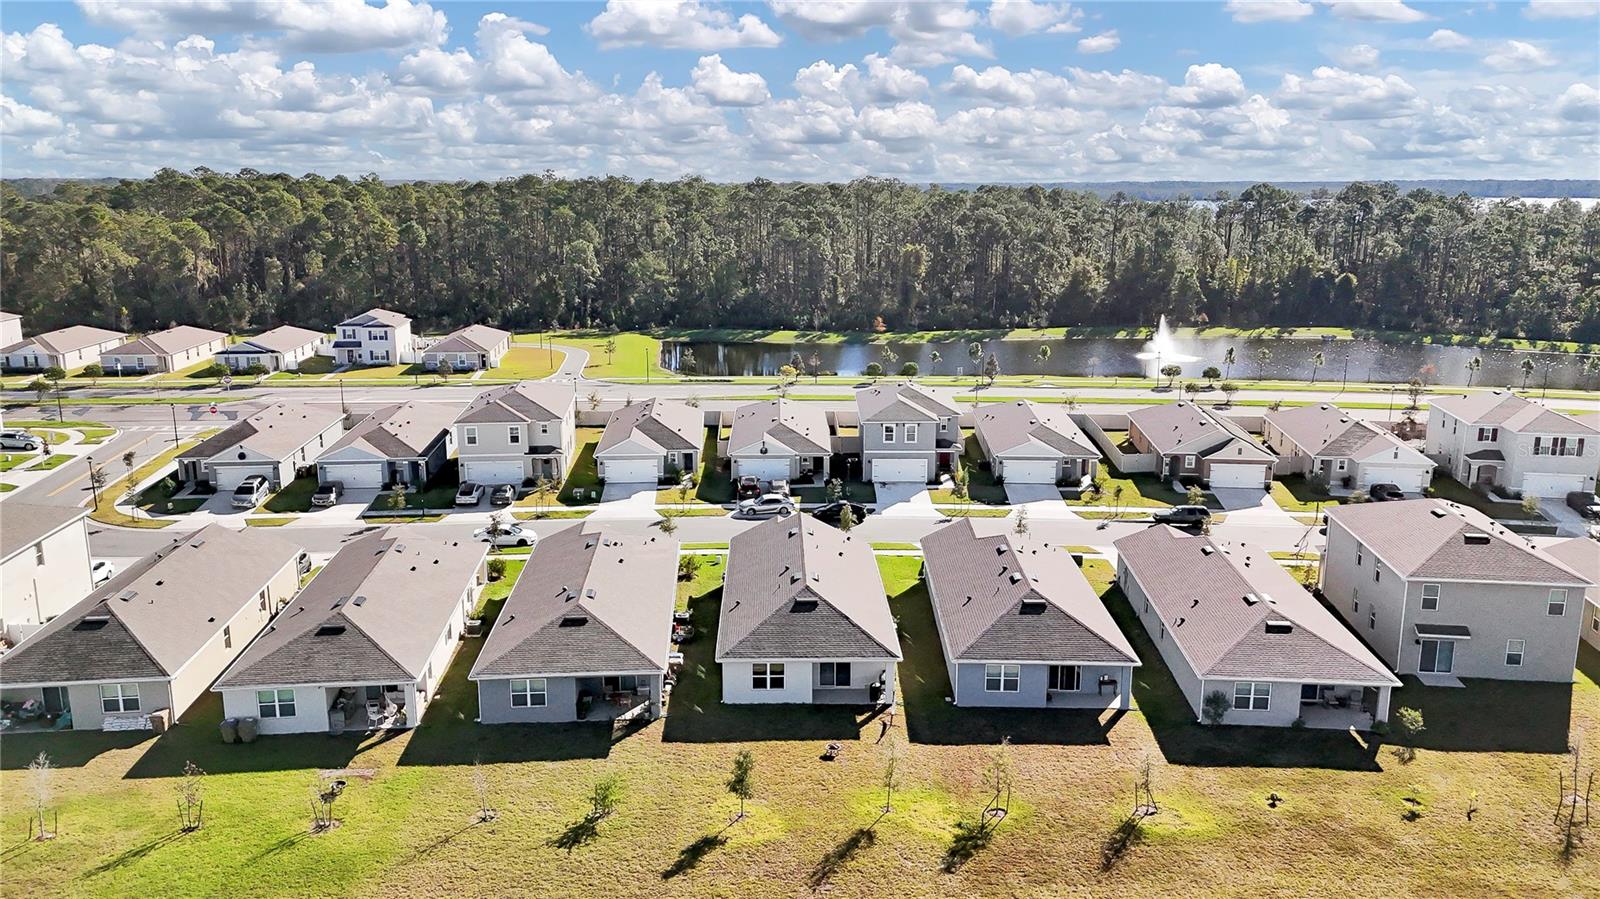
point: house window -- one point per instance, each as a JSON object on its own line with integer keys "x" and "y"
{"x": 514, "y": 434}
{"x": 766, "y": 676}
{"x": 944, "y": 425}
{"x": 119, "y": 697}
{"x": 1358, "y": 555}
{"x": 1252, "y": 696}
{"x": 1377, "y": 573}
{"x": 1514, "y": 650}
{"x": 1488, "y": 435}
{"x": 1372, "y": 620}
{"x": 1355, "y": 601}
{"x": 469, "y": 436}
{"x": 1556, "y": 606}
{"x": 620, "y": 683}
{"x": 1064, "y": 678}
{"x": 275, "y": 703}
{"x": 1002, "y": 678}
{"x": 528, "y": 693}
{"x": 1188, "y": 461}
{"x": 38, "y": 553}
{"x": 1430, "y": 597}
{"x": 888, "y": 433}
{"x": 544, "y": 429}
{"x": 834, "y": 674}
{"x": 227, "y": 637}
{"x": 911, "y": 433}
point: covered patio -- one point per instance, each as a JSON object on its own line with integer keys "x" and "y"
{"x": 1343, "y": 706}
{"x": 618, "y": 697}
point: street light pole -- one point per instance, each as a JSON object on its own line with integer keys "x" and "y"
{"x": 174, "y": 407}
{"x": 93, "y": 487}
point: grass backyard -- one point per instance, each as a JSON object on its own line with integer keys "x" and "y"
{"x": 1139, "y": 491}
{"x": 525, "y": 363}
{"x": 636, "y": 355}
{"x": 981, "y": 486}
{"x": 1296, "y": 494}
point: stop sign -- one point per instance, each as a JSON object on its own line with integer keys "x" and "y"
{"x": 213, "y": 408}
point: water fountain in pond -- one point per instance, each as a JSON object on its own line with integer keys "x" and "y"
{"x": 1161, "y": 350}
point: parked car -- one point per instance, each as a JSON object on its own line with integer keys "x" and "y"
{"x": 779, "y": 485}
{"x": 101, "y": 571}
{"x": 509, "y": 535}
{"x": 1584, "y": 503}
{"x": 503, "y": 495}
{"x": 302, "y": 563}
{"x": 1385, "y": 492}
{"x": 327, "y": 494}
{"x": 251, "y": 491}
{"x": 831, "y": 511}
{"x": 469, "y": 494}
{"x": 20, "y": 440}
{"x": 749, "y": 487}
{"x": 766, "y": 506}
{"x": 1182, "y": 516}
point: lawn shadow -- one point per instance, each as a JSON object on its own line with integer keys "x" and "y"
{"x": 692, "y": 854}
{"x": 837, "y": 857}
{"x": 1589, "y": 661}
{"x": 198, "y": 740}
{"x": 1490, "y": 715}
{"x": 579, "y": 833}
{"x": 137, "y": 853}
{"x": 68, "y": 749}
{"x": 971, "y": 838}
{"x": 1124, "y": 838}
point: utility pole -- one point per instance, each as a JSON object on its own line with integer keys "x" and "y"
{"x": 174, "y": 407}
{"x": 342, "y": 406}
{"x": 93, "y": 488}
{"x": 60, "y": 416}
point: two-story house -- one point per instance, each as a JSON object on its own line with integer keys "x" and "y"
{"x": 45, "y": 564}
{"x": 1194, "y": 441}
{"x": 1501, "y": 439}
{"x": 907, "y": 436}
{"x": 517, "y": 432}
{"x": 375, "y": 337}
{"x": 1581, "y": 555}
{"x": 1441, "y": 591}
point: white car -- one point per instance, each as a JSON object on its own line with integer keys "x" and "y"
{"x": 766, "y": 506}
{"x": 510, "y": 535}
{"x": 102, "y": 571}
{"x": 20, "y": 440}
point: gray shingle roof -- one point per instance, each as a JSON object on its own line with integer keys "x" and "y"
{"x": 799, "y": 426}
{"x": 282, "y": 339}
{"x": 1580, "y": 554}
{"x": 1199, "y": 587}
{"x": 1426, "y": 538}
{"x": 799, "y": 589}
{"x": 274, "y": 431}
{"x": 1188, "y": 428}
{"x": 401, "y": 431}
{"x": 373, "y": 614}
{"x": 1004, "y": 597}
{"x": 168, "y": 342}
{"x": 523, "y": 401}
{"x": 471, "y": 339}
{"x": 67, "y": 340}
{"x": 25, "y": 523}
{"x": 383, "y": 317}
{"x": 659, "y": 425}
{"x": 587, "y": 602}
{"x": 1008, "y": 426}
{"x": 1501, "y": 408}
{"x": 900, "y": 402}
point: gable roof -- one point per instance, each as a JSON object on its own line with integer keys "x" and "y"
{"x": 373, "y": 614}
{"x": 27, "y": 523}
{"x": 1580, "y": 554}
{"x": 168, "y": 342}
{"x": 900, "y": 402}
{"x": 1216, "y": 599}
{"x": 587, "y": 602}
{"x": 377, "y": 317}
{"x": 797, "y": 426}
{"x": 400, "y": 431}
{"x": 1009, "y": 426}
{"x": 799, "y": 589}
{"x": 275, "y": 431}
{"x": 1185, "y": 427}
{"x": 1001, "y": 596}
{"x": 1427, "y": 538}
{"x": 1326, "y": 430}
{"x": 523, "y": 401}
{"x": 151, "y": 619}
{"x": 658, "y": 424}
{"x": 68, "y": 340}
{"x": 1504, "y": 409}
{"x": 282, "y": 339}
{"x": 471, "y": 339}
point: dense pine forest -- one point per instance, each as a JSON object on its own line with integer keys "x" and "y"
{"x": 251, "y": 250}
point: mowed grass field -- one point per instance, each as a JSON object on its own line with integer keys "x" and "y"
{"x": 814, "y": 827}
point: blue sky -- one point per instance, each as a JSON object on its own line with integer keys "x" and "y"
{"x": 979, "y": 91}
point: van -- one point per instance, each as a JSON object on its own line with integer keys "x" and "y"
{"x": 250, "y": 492}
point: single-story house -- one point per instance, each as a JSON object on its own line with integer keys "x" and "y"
{"x": 406, "y": 443}
{"x": 44, "y": 564}
{"x": 780, "y": 438}
{"x": 280, "y": 349}
{"x": 1228, "y": 620}
{"x": 1019, "y": 624}
{"x": 68, "y": 348}
{"x": 516, "y": 432}
{"x": 154, "y": 637}
{"x": 471, "y": 348}
{"x": 1034, "y": 443}
{"x": 1198, "y": 442}
{"x": 1582, "y": 555}
{"x": 274, "y": 442}
{"x": 10, "y": 328}
{"x": 164, "y": 351}
{"x": 366, "y": 643}
{"x": 650, "y": 442}
{"x": 585, "y": 633}
{"x": 1322, "y": 440}
{"x": 804, "y": 618}
{"x": 907, "y": 435}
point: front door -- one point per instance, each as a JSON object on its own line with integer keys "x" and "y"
{"x": 1438, "y": 656}
{"x": 1486, "y": 474}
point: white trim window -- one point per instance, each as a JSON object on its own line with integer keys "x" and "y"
{"x": 1252, "y": 696}
{"x": 1556, "y": 605}
{"x": 888, "y": 433}
{"x": 911, "y": 433}
{"x": 469, "y": 436}
{"x": 766, "y": 676}
{"x": 529, "y": 693}
{"x": 1002, "y": 678}
{"x": 1430, "y": 597}
{"x": 275, "y": 703}
{"x": 514, "y": 435}
{"x": 1065, "y": 678}
{"x": 833, "y": 674}
{"x": 544, "y": 429}
{"x": 1488, "y": 435}
{"x": 1341, "y": 465}
{"x": 1188, "y": 461}
{"x": 1514, "y": 652}
{"x": 119, "y": 697}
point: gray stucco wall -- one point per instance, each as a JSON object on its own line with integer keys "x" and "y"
{"x": 1188, "y": 680}
{"x": 494, "y": 703}
{"x": 1031, "y": 692}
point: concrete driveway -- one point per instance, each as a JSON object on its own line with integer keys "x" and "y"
{"x": 1041, "y": 500}
{"x": 1568, "y": 522}
{"x": 1238, "y": 499}
{"x": 904, "y": 499}
{"x": 627, "y": 501}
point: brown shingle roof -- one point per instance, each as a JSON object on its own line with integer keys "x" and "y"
{"x": 168, "y": 342}
{"x": 900, "y": 402}
{"x": 401, "y": 431}
{"x": 1188, "y": 428}
{"x": 1007, "y": 426}
{"x": 68, "y": 340}
{"x": 1427, "y": 538}
{"x": 662, "y": 425}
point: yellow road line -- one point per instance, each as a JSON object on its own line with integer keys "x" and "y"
{"x": 75, "y": 481}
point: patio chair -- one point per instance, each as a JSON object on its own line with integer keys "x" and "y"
{"x": 374, "y": 712}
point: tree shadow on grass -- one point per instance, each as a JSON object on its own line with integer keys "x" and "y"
{"x": 137, "y": 853}
{"x": 69, "y": 749}
{"x": 691, "y": 855}
{"x": 837, "y": 857}
{"x": 971, "y": 838}
{"x": 1124, "y": 838}
{"x": 579, "y": 833}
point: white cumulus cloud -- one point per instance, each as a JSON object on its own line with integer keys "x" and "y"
{"x": 1375, "y": 10}
{"x": 687, "y": 24}
{"x": 1361, "y": 57}
{"x": 1104, "y": 42}
{"x": 1562, "y": 9}
{"x": 1210, "y": 84}
{"x": 1518, "y": 56}
{"x": 725, "y": 87}
{"x": 1445, "y": 39}
{"x": 1019, "y": 17}
{"x": 326, "y": 26}
{"x": 1252, "y": 11}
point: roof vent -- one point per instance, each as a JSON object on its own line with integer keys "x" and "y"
{"x": 1279, "y": 626}
{"x": 589, "y": 593}
{"x": 1000, "y": 550}
{"x": 794, "y": 577}
{"x": 360, "y": 600}
{"x": 1475, "y": 538}
{"x": 1016, "y": 577}
{"x": 1207, "y": 550}
{"x": 198, "y": 542}
{"x": 1251, "y": 599}
{"x": 330, "y": 630}
{"x": 1438, "y": 513}
{"x": 794, "y": 532}
{"x": 161, "y": 582}
{"x": 803, "y": 604}
{"x": 1033, "y": 607}
{"x": 92, "y": 623}
{"x": 574, "y": 620}
{"x": 1179, "y": 623}
{"x": 128, "y": 595}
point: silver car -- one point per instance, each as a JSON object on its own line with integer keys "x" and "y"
{"x": 772, "y": 504}
{"x": 20, "y": 440}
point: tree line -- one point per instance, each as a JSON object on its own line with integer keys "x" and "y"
{"x": 252, "y": 250}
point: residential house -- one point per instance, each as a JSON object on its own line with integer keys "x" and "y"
{"x": 281, "y": 349}
{"x": 1019, "y": 624}
{"x": 154, "y": 637}
{"x": 375, "y": 337}
{"x": 1033, "y": 443}
{"x": 366, "y": 643}
{"x": 1227, "y": 619}
{"x": 10, "y": 328}
{"x": 1441, "y": 591}
{"x": 44, "y": 564}
{"x": 1323, "y": 440}
{"x": 472, "y": 348}
{"x": 517, "y": 432}
{"x": 650, "y": 442}
{"x": 1582, "y": 555}
{"x": 164, "y": 351}
{"x": 406, "y": 443}
{"x": 1194, "y": 441}
{"x": 1501, "y": 439}
{"x": 67, "y": 348}
{"x": 585, "y": 633}
{"x": 780, "y": 438}
{"x": 906, "y": 434}
{"x": 274, "y": 442}
{"x": 804, "y": 618}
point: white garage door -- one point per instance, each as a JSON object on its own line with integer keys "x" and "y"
{"x": 487, "y": 472}
{"x": 1238, "y": 475}
{"x": 900, "y": 470}
{"x": 353, "y": 475}
{"x": 1409, "y": 480}
{"x": 766, "y": 469}
{"x": 1029, "y": 471}
{"x": 230, "y": 476}
{"x": 1551, "y": 484}
{"x": 630, "y": 471}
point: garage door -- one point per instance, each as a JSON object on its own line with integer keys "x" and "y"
{"x": 900, "y": 470}
{"x": 230, "y": 476}
{"x": 765, "y": 469}
{"x": 1238, "y": 475}
{"x": 354, "y": 475}
{"x": 630, "y": 471}
{"x": 1409, "y": 480}
{"x": 492, "y": 472}
{"x": 1551, "y": 484}
{"x": 1029, "y": 471}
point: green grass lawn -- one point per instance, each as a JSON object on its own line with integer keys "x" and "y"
{"x": 706, "y": 578}
{"x": 363, "y": 372}
{"x": 106, "y": 512}
{"x": 1139, "y": 491}
{"x": 9, "y": 461}
{"x": 294, "y": 497}
{"x": 268, "y": 521}
{"x": 526, "y": 363}
{"x": 156, "y": 499}
{"x": 636, "y": 355}
{"x": 981, "y": 486}
{"x": 712, "y": 484}
{"x": 314, "y": 366}
{"x": 436, "y": 496}
{"x": 1296, "y": 494}
{"x": 859, "y": 491}
{"x": 583, "y": 474}
{"x": 1446, "y": 487}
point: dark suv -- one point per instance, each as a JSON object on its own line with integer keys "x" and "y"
{"x": 1385, "y": 492}
{"x": 1182, "y": 516}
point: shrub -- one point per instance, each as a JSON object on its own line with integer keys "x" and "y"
{"x": 909, "y": 370}
{"x": 874, "y": 370}
{"x": 1215, "y": 707}
{"x": 688, "y": 567}
{"x": 497, "y": 569}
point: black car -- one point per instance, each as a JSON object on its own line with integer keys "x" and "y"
{"x": 1385, "y": 492}
{"x": 503, "y": 495}
{"x": 1182, "y": 516}
{"x": 831, "y": 512}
